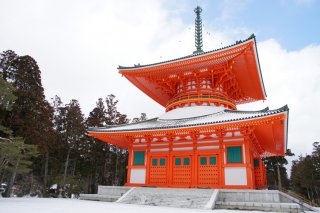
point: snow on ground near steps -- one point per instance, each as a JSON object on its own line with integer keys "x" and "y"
{"x": 56, "y": 205}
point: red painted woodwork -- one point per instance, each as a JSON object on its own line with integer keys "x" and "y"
{"x": 231, "y": 74}
{"x": 208, "y": 175}
{"x": 226, "y": 77}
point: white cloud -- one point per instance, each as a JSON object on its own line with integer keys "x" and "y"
{"x": 292, "y": 77}
{"x": 79, "y": 45}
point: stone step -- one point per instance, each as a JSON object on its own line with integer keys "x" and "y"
{"x": 97, "y": 197}
{"x": 171, "y": 197}
{"x": 274, "y": 207}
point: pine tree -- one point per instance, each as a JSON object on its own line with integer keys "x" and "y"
{"x": 15, "y": 158}
{"x": 31, "y": 115}
{"x": 7, "y": 99}
{"x": 277, "y": 176}
{"x": 97, "y": 117}
{"x": 98, "y": 152}
{"x": 142, "y": 117}
{"x": 7, "y": 71}
{"x": 305, "y": 175}
{"x": 114, "y": 117}
{"x": 69, "y": 123}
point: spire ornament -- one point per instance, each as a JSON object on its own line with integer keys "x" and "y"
{"x": 198, "y": 30}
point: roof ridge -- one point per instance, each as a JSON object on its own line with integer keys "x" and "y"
{"x": 249, "y": 111}
{"x": 281, "y": 109}
{"x": 119, "y": 125}
{"x": 200, "y": 116}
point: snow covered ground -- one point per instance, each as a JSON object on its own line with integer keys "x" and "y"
{"x": 56, "y": 205}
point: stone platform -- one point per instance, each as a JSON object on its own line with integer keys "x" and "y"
{"x": 262, "y": 200}
{"x": 106, "y": 193}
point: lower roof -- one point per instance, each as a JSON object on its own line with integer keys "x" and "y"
{"x": 270, "y": 127}
{"x": 180, "y": 118}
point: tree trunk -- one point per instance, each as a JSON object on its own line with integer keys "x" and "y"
{"x": 116, "y": 176}
{"x": 2, "y": 175}
{"x": 279, "y": 178}
{"x": 74, "y": 168}
{"x": 45, "y": 177}
{"x": 308, "y": 194}
{"x": 96, "y": 181}
{"x": 104, "y": 174}
{"x": 89, "y": 184}
{"x": 12, "y": 179}
{"x": 31, "y": 183}
{"x": 66, "y": 169}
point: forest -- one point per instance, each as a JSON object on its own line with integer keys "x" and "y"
{"x": 44, "y": 148}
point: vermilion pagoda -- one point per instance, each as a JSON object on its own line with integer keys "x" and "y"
{"x": 202, "y": 140}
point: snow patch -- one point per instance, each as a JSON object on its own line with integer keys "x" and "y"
{"x": 54, "y": 205}
{"x": 189, "y": 112}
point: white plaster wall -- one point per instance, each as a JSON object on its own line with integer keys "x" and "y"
{"x": 140, "y": 145}
{"x": 182, "y": 148}
{"x": 238, "y": 133}
{"x": 207, "y": 147}
{"x": 229, "y": 134}
{"x": 210, "y": 141}
{"x": 235, "y": 176}
{"x": 138, "y": 176}
{"x": 233, "y": 139}
{"x": 160, "y": 150}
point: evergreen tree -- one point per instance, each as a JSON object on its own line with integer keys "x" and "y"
{"x": 277, "y": 176}
{"x": 15, "y": 158}
{"x": 114, "y": 117}
{"x": 99, "y": 154}
{"x": 31, "y": 115}
{"x": 7, "y": 99}
{"x": 69, "y": 124}
{"x": 142, "y": 117}
{"x": 97, "y": 117}
{"x": 305, "y": 175}
{"x": 7, "y": 71}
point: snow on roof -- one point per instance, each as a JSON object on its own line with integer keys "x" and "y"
{"x": 175, "y": 119}
{"x": 189, "y": 112}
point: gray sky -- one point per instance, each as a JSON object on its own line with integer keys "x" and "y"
{"x": 79, "y": 44}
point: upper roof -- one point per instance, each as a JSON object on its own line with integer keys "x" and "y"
{"x": 137, "y": 66}
{"x": 241, "y": 58}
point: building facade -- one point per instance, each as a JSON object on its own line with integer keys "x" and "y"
{"x": 201, "y": 140}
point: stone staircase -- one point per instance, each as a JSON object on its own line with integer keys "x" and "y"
{"x": 261, "y": 200}
{"x": 171, "y": 197}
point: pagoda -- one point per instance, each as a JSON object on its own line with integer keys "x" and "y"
{"x": 201, "y": 140}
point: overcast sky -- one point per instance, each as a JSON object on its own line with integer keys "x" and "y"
{"x": 79, "y": 44}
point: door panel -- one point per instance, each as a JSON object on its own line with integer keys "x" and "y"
{"x": 158, "y": 170}
{"x": 208, "y": 173}
{"x": 181, "y": 171}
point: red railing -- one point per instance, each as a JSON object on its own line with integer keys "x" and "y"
{"x": 215, "y": 97}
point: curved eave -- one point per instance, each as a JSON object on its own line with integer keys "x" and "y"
{"x": 254, "y": 121}
{"x": 271, "y": 130}
{"x": 247, "y": 71}
{"x": 123, "y": 69}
